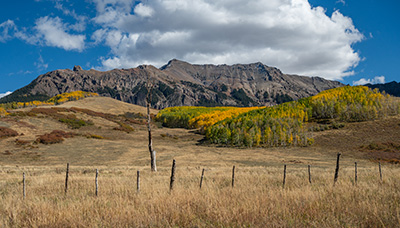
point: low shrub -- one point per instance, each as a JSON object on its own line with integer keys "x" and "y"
{"x": 7, "y": 132}
{"x": 20, "y": 142}
{"x": 56, "y": 136}
{"x": 74, "y": 122}
{"x": 124, "y": 127}
{"x": 94, "y": 137}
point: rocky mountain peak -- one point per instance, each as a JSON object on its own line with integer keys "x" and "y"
{"x": 77, "y": 68}
{"x": 180, "y": 83}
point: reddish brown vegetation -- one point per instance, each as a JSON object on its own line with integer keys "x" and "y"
{"x": 123, "y": 127}
{"x": 75, "y": 123}
{"x": 55, "y": 136}
{"x": 21, "y": 142}
{"x": 387, "y": 151}
{"x": 48, "y": 111}
{"x": 7, "y": 132}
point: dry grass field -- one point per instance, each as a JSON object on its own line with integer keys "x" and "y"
{"x": 257, "y": 199}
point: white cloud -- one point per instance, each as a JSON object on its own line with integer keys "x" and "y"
{"x": 40, "y": 64}
{"x": 5, "y": 94}
{"x": 51, "y": 32}
{"x": 375, "y": 80}
{"x": 80, "y": 26}
{"x": 99, "y": 35}
{"x": 54, "y": 33}
{"x": 341, "y": 1}
{"x": 5, "y": 28}
{"x": 143, "y": 11}
{"x": 288, "y": 34}
{"x": 123, "y": 5}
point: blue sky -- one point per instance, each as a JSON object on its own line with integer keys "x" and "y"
{"x": 354, "y": 42}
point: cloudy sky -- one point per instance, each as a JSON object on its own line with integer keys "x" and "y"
{"x": 355, "y": 42}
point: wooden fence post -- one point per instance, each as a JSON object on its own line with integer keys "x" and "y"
{"x": 171, "y": 184}
{"x": 23, "y": 186}
{"x": 66, "y": 179}
{"x": 138, "y": 181}
{"x": 337, "y": 168}
{"x": 309, "y": 173}
{"x": 96, "y": 182}
{"x": 201, "y": 179}
{"x": 284, "y": 175}
{"x": 233, "y": 176}
{"x": 355, "y": 173}
{"x": 380, "y": 171}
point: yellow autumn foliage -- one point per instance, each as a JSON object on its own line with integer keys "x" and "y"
{"x": 283, "y": 125}
{"x": 71, "y": 96}
{"x": 58, "y": 99}
{"x": 205, "y": 120}
{"x": 352, "y": 103}
{"x": 3, "y": 112}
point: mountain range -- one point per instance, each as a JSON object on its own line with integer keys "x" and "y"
{"x": 180, "y": 83}
{"x": 392, "y": 88}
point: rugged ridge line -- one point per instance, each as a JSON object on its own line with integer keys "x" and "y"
{"x": 180, "y": 83}
{"x": 391, "y": 88}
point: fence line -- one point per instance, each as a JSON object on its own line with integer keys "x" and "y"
{"x": 96, "y": 182}
{"x": 201, "y": 179}
{"x": 172, "y": 178}
{"x": 23, "y": 185}
{"x": 355, "y": 173}
{"x": 66, "y": 178}
{"x": 171, "y": 183}
{"x": 284, "y": 176}
{"x": 337, "y": 168}
{"x": 233, "y": 176}
{"x": 138, "y": 181}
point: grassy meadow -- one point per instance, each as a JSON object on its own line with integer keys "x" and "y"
{"x": 258, "y": 198}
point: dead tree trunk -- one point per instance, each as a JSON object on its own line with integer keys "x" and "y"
{"x": 151, "y": 150}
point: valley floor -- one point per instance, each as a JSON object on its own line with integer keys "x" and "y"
{"x": 120, "y": 148}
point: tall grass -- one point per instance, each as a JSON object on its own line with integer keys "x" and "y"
{"x": 257, "y": 200}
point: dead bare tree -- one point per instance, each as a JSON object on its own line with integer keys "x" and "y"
{"x": 149, "y": 87}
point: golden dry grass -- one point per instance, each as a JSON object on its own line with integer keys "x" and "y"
{"x": 106, "y": 105}
{"x": 257, "y": 200}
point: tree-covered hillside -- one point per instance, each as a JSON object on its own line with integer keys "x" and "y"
{"x": 285, "y": 124}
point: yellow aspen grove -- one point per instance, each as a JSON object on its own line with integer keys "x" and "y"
{"x": 58, "y": 99}
{"x": 72, "y": 96}
{"x": 284, "y": 124}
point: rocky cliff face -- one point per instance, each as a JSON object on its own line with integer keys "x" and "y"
{"x": 180, "y": 83}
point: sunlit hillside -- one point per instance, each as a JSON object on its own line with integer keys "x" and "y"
{"x": 285, "y": 124}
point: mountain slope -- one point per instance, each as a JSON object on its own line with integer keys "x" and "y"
{"x": 392, "y": 88}
{"x": 179, "y": 83}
